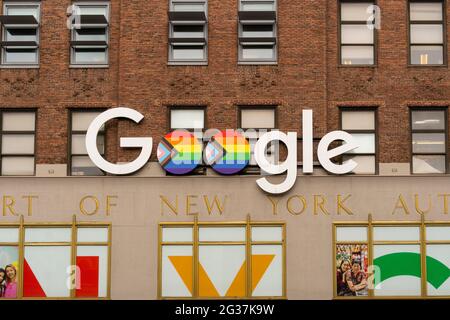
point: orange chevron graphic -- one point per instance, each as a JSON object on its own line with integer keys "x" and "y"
{"x": 260, "y": 263}
{"x": 205, "y": 286}
{"x": 183, "y": 265}
{"x": 237, "y": 288}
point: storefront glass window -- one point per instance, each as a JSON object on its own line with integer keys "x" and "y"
{"x": 59, "y": 260}
{"x": 388, "y": 259}
{"x": 222, "y": 260}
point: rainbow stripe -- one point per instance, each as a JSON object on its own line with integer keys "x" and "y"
{"x": 228, "y": 152}
{"x": 179, "y": 152}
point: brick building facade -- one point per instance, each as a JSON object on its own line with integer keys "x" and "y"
{"x": 306, "y": 76}
{"x": 310, "y": 71}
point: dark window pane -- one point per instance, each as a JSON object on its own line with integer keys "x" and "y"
{"x": 257, "y": 31}
{"x": 188, "y": 32}
{"x": 90, "y": 34}
{"x": 21, "y": 34}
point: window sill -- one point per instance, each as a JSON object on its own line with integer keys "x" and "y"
{"x": 18, "y": 66}
{"x": 357, "y": 66}
{"x": 427, "y": 66}
{"x": 187, "y": 63}
{"x": 90, "y": 66}
{"x": 265, "y": 63}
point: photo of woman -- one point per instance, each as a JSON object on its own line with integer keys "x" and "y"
{"x": 2, "y": 282}
{"x": 11, "y": 282}
{"x": 342, "y": 287}
{"x": 9, "y": 257}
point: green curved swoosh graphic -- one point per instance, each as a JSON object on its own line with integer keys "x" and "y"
{"x": 408, "y": 264}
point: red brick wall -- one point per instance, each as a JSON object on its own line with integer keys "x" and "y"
{"x": 307, "y": 75}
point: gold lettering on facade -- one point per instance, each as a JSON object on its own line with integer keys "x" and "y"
{"x": 289, "y": 205}
{"x": 83, "y": 203}
{"x": 215, "y": 202}
{"x": 274, "y": 203}
{"x": 417, "y": 205}
{"x": 189, "y": 204}
{"x": 340, "y": 205}
{"x": 445, "y": 197}
{"x": 165, "y": 201}
{"x": 110, "y": 204}
{"x": 401, "y": 204}
{"x": 8, "y": 203}
{"x": 319, "y": 203}
{"x": 30, "y": 204}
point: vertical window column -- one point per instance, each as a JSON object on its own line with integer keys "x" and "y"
{"x": 90, "y": 34}
{"x": 257, "y": 31}
{"x": 429, "y": 141}
{"x": 191, "y": 119}
{"x": 188, "y": 32}
{"x": 426, "y": 33}
{"x": 20, "y": 33}
{"x": 357, "y": 33}
{"x": 17, "y": 143}
{"x": 361, "y": 124}
{"x": 255, "y": 121}
{"x": 80, "y": 163}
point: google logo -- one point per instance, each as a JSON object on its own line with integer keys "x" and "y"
{"x": 227, "y": 152}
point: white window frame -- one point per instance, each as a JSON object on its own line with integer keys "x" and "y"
{"x": 241, "y": 23}
{"x": 5, "y": 64}
{"x": 73, "y": 63}
{"x": 204, "y": 45}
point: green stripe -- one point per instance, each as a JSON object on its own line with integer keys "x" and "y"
{"x": 408, "y": 264}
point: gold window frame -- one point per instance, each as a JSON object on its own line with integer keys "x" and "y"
{"x": 74, "y": 225}
{"x": 195, "y": 243}
{"x": 370, "y": 224}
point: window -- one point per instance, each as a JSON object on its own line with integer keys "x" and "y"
{"x": 188, "y": 32}
{"x": 397, "y": 252}
{"x": 90, "y": 36}
{"x": 357, "y": 33}
{"x": 201, "y": 260}
{"x": 18, "y": 129}
{"x": 49, "y": 251}
{"x": 257, "y": 31}
{"x": 20, "y": 33}
{"x": 429, "y": 140}
{"x": 187, "y": 118}
{"x": 426, "y": 32}
{"x": 191, "y": 119}
{"x": 361, "y": 124}
{"x": 80, "y": 163}
{"x": 256, "y": 121}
